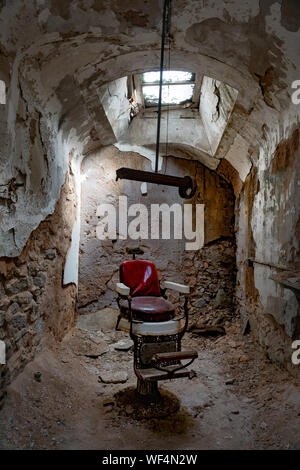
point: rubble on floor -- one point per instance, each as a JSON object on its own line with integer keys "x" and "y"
{"x": 113, "y": 377}
{"x": 87, "y": 343}
{"x": 238, "y": 399}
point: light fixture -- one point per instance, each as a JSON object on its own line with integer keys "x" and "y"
{"x": 186, "y": 185}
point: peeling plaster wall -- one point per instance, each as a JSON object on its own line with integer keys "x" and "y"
{"x": 184, "y": 127}
{"x": 268, "y": 233}
{"x": 31, "y": 179}
{"x": 276, "y": 213}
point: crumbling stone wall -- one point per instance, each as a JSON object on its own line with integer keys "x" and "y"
{"x": 210, "y": 271}
{"x": 33, "y": 303}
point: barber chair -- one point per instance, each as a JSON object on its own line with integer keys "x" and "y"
{"x": 153, "y": 324}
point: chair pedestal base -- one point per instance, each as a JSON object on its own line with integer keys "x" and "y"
{"x": 148, "y": 389}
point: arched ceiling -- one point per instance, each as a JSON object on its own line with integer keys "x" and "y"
{"x": 66, "y": 50}
{"x": 55, "y": 55}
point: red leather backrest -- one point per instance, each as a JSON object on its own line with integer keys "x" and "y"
{"x": 141, "y": 276}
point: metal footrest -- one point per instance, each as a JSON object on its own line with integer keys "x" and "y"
{"x": 164, "y": 367}
{"x": 163, "y": 361}
{"x": 153, "y": 374}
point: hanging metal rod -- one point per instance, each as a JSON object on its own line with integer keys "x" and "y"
{"x": 186, "y": 185}
{"x": 165, "y": 28}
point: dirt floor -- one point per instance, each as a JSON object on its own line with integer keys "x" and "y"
{"x": 237, "y": 400}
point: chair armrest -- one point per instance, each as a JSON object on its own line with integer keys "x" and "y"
{"x": 178, "y": 287}
{"x": 122, "y": 289}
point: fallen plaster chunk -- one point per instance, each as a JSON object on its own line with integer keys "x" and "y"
{"x": 123, "y": 345}
{"x": 108, "y": 377}
{"x": 102, "y": 320}
{"x": 87, "y": 346}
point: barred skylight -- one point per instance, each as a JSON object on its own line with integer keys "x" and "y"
{"x": 178, "y": 87}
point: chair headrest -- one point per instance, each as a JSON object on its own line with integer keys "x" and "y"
{"x": 141, "y": 277}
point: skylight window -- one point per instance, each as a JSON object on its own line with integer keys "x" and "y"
{"x": 177, "y": 89}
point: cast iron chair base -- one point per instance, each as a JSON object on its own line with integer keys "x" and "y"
{"x": 147, "y": 379}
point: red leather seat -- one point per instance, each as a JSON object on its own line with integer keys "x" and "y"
{"x": 147, "y": 304}
{"x": 149, "y": 309}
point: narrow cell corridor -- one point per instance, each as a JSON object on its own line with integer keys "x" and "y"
{"x": 149, "y": 224}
